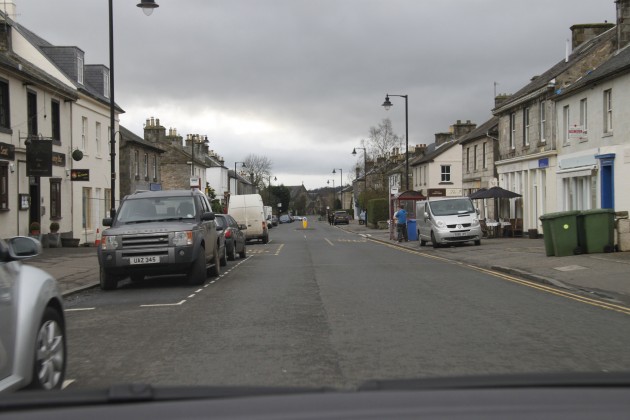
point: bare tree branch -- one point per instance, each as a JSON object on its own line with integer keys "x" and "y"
{"x": 258, "y": 168}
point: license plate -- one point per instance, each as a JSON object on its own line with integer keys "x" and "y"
{"x": 144, "y": 260}
{"x": 460, "y": 233}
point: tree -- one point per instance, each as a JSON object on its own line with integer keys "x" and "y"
{"x": 280, "y": 194}
{"x": 258, "y": 168}
{"x": 382, "y": 139}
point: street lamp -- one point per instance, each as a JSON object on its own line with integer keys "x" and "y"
{"x": 387, "y": 105}
{"x": 147, "y": 7}
{"x": 340, "y": 184}
{"x": 269, "y": 188}
{"x": 354, "y": 153}
{"x": 193, "y": 140}
{"x": 236, "y": 176}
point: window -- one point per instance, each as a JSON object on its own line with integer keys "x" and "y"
{"x": 31, "y": 113}
{"x": 84, "y": 131}
{"x": 475, "y": 158}
{"x": 87, "y": 208}
{"x": 468, "y": 159}
{"x": 136, "y": 157}
{"x": 565, "y": 124}
{"x": 107, "y": 201}
{"x": 445, "y": 173}
{"x": 55, "y": 121}
{"x": 146, "y": 165}
{"x": 483, "y": 155}
{"x": 608, "y": 122}
{"x": 543, "y": 121}
{"x": 97, "y": 138}
{"x": 80, "y": 69}
{"x": 55, "y": 198}
{"x": 5, "y": 114}
{"x": 155, "y": 167}
{"x": 106, "y": 84}
{"x": 512, "y": 131}
{"x": 584, "y": 115}
{"x": 526, "y": 127}
{"x": 4, "y": 186}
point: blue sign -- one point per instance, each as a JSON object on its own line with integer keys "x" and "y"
{"x": 155, "y": 187}
{"x": 543, "y": 163}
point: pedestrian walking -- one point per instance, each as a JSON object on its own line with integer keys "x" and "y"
{"x": 401, "y": 223}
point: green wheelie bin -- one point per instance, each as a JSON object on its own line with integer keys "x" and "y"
{"x": 597, "y": 230}
{"x": 563, "y": 229}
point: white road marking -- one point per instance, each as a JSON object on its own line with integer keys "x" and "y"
{"x": 191, "y": 296}
{"x": 198, "y": 290}
{"x": 163, "y": 304}
{"x": 79, "y": 309}
{"x": 330, "y": 243}
{"x": 67, "y": 383}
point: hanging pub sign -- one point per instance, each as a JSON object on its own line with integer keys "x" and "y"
{"x": 79, "y": 174}
{"x": 59, "y": 159}
{"x": 7, "y": 151}
{"x": 39, "y": 158}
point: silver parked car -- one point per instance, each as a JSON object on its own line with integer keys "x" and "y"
{"x": 32, "y": 325}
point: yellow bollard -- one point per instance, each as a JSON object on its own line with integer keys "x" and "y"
{"x": 304, "y": 223}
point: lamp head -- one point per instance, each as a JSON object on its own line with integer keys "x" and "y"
{"x": 354, "y": 151}
{"x": 387, "y": 104}
{"x": 147, "y": 6}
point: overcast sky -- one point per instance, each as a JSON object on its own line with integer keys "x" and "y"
{"x": 302, "y": 81}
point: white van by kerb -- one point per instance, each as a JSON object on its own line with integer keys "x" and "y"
{"x": 447, "y": 220}
{"x": 248, "y": 209}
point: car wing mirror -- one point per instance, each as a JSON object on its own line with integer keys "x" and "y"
{"x": 242, "y": 227}
{"x": 208, "y": 215}
{"x": 107, "y": 221}
{"x": 22, "y": 247}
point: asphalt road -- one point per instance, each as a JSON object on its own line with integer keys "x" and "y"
{"x": 323, "y": 307}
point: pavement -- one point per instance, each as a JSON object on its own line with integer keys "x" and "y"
{"x": 603, "y": 275}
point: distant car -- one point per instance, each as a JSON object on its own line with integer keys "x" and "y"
{"x": 274, "y": 220}
{"x": 285, "y": 218}
{"x": 32, "y": 325}
{"x": 341, "y": 217}
{"x": 233, "y": 234}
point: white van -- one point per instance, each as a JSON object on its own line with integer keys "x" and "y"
{"x": 447, "y": 220}
{"x": 248, "y": 210}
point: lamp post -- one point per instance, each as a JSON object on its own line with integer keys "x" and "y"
{"x": 147, "y": 7}
{"x": 236, "y": 176}
{"x": 387, "y": 105}
{"x": 354, "y": 152}
{"x": 269, "y": 188}
{"x": 340, "y": 184}
{"x": 328, "y": 182}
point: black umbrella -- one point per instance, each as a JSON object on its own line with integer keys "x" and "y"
{"x": 494, "y": 192}
{"x": 477, "y": 194}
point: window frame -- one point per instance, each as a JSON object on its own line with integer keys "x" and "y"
{"x": 4, "y": 186}
{"x": 31, "y": 113}
{"x": 566, "y": 124}
{"x": 84, "y": 134}
{"x": 55, "y": 121}
{"x": 97, "y": 137}
{"x": 5, "y": 106}
{"x": 526, "y": 121}
{"x": 445, "y": 173}
{"x": 513, "y": 131}
{"x": 543, "y": 121}
{"x": 55, "y": 198}
{"x": 608, "y": 117}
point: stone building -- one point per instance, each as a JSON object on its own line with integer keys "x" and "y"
{"x": 140, "y": 162}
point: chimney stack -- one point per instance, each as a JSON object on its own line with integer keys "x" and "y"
{"x": 584, "y": 33}
{"x": 623, "y": 23}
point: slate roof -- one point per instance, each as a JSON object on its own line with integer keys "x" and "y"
{"x": 543, "y": 80}
{"x": 128, "y": 136}
{"x": 432, "y": 152}
{"x": 617, "y": 64}
{"x": 481, "y": 131}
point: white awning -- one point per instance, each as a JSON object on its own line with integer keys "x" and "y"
{"x": 577, "y": 171}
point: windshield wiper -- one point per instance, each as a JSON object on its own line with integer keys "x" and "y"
{"x": 139, "y": 221}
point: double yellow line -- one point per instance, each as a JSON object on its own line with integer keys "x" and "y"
{"x": 548, "y": 289}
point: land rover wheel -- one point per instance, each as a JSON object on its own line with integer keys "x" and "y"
{"x": 197, "y": 273}
{"x": 108, "y": 281}
{"x": 231, "y": 253}
{"x": 215, "y": 270}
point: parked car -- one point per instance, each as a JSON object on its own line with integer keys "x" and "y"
{"x": 160, "y": 232}
{"x": 285, "y": 218}
{"x": 341, "y": 216}
{"x": 233, "y": 234}
{"x": 274, "y": 220}
{"x": 248, "y": 210}
{"x": 32, "y": 325}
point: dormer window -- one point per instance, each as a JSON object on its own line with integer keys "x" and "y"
{"x": 80, "y": 69}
